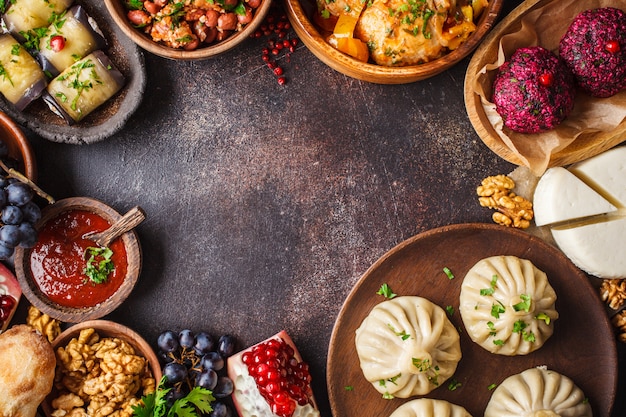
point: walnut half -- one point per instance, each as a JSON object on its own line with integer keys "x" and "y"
{"x": 613, "y": 292}
{"x": 511, "y": 209}
{"x": 619, "y": 322}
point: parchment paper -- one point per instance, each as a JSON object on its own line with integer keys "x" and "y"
{"x": 545, "y": 27}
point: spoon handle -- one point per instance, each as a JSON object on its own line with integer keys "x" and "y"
{"x": 127, "y": 222}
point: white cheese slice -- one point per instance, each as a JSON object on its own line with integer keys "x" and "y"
{"x": 597, "y": 248}
{"x": 561, "y": 196}
{"x": 605, "y": 173}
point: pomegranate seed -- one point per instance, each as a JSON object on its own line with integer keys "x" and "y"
{"x": 546, "y": 79}
{"x": 612, "y": 47}
{"x": 275, "y": 51}
{"x": 294, "y": 41}
{"x": 57, "y": 43}
{"x": 278, "y": 71}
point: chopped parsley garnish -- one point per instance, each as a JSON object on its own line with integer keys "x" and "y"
{"x": 403, "y": 334}
{"x": 99, "y": 264}
{"x": 385, "y": 291}
{"x": 348, "y": 388}
{"x": 5, "y": 75}
{"x": 492, "y": 328}
{"x": 448, "y": 273}
{"x": 492, "y": 386}
{"x": 453, "y": 385}
{"x": 450, "y": 310}
{"x": 498, "y": 342}
{"x": 492, "y": 287}
{"x": 544, "y": 317}
{"x": 523, "y": 305}
{"x": 497, "y": 309}
{"x": 74, "y": 80}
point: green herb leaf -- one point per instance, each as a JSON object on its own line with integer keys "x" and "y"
{"x": 453, "y": 385}
{"x": 349, "y": 388}
{"x": 492, "y": 386}
{"x": 195, "y": 404}
{"x": 448, "y": 273}
{"x": 386, "y": 292}
{"x": 497, "y": 309}
{"x": 99, "y": 264}
{"x": 523, "y": 305}
{"x": 450, "y": 310}
{"x": 544, "y": 317}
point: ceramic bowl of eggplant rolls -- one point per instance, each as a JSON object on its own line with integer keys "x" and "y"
{"x": 67, "y": 72}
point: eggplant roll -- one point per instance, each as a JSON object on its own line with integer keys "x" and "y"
{"x": 84, "y": 86}
{"x": 24, "y": 15}
{"x": 21, "y": 78}
{"x": 81, "y": 36}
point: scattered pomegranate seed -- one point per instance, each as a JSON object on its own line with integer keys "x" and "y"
{"x": 278, "y": 71}
{"x": 612, "y": 47}
{"x": 57, "y": 43}
{"x": 7, "y": 303}
{"x": 546, "y": 79}
{"x": 281, "y": 80}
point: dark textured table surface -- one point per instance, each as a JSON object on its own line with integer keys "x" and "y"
{"x": 266, "y": 203}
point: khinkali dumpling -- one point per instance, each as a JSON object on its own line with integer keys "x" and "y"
{"x": 428, "y": 407}
{"x": 507, "y": 305}
{"x": 407, "y": 346}
{"x": 538, "y": 392}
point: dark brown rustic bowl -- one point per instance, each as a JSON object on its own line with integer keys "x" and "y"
{"x": 298, "y": 12}
{"x": 118, "y": 12}
{"x": 19, "y": 146}
{"x": 68, "y": 314}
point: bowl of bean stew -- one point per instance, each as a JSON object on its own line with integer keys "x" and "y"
{"x": 190, "y": 29}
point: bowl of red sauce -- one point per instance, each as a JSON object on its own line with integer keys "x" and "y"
{"x": 68, "y": 276}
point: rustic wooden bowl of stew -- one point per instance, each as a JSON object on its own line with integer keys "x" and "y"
{"x": 137, "y": 33}
{"x": 19, "y": 148}
{"x": 301, "y": 15}
{"x": 67, "y": 275}
{"x": 106, "y": 329}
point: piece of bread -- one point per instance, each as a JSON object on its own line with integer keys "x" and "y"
{"x": 27, "y": 371}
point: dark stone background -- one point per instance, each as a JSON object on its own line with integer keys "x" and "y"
{"x": 266, "y": 203}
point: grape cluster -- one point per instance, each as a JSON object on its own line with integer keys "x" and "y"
{"x": 197, "y": 359}
{"x": 18, "y": 212}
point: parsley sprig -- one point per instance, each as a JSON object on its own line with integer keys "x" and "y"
{"x": 196, "y": 403}
{"x": 99, "y": 264}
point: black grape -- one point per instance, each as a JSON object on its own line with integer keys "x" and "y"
{"x": 11, "y": 215}
{"x": 226, "y": 345}
{"x": 174, "y": 372}
{"x": 207, "y": 379}
{"x": 223, "y": 388}
{"x": 31, "y": 212}
{"x": 19, "y": 193}
{"x": 186, "y": 339}
{"x": 204, "y": 343}
{"x": 28, "y": 235}
{"x": 212, "y": 360}
{"x": 5, "y": 252}
{"x": 220, "y": 410}
{"x": 10, "y": 235}
{"x": 168, "y": 341}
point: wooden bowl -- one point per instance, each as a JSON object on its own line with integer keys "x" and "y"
{"x": 111, "y": 329}
{"x": 19, "y": 146}
{"x": 118, "y": 13}
{"x": 64, "y": 313}
{"x": 300, "y": 16}
{"x": 583, "y": 147}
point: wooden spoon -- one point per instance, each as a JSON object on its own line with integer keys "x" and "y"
{"x": 127, "y": 222}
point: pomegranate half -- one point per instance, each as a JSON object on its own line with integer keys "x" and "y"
{"x": 10, "y": 293}
{"x": 272, "y": 380}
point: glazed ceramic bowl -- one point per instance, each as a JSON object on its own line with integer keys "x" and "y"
{"x": 36, "y": 268}
{"x": 108, "y": 329}
{"x": 19, "y": 146}
{"x": 119, "y": 14}
{"x": 300, "y": 15}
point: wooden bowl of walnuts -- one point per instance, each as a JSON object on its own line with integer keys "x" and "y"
{"x": 104, "y": 358}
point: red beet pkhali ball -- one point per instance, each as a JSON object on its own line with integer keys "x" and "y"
{"x": 594, "y": 48}
{"x": 533, "y": 91}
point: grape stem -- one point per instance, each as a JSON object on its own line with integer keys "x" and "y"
{"x": 13, "y": 173}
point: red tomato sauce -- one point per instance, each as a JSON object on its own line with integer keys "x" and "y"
{"x": 58, "y": 260}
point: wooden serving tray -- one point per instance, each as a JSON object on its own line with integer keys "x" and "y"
{"x": 582, "y": 148}
{"x": 582, "y": 347}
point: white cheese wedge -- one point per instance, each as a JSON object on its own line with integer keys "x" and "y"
{"x": 597, "y": 248}
{"x": 560, "y": 196}
{"x": 605, "y": 173}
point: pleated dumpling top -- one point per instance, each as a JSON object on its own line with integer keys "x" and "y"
{"x": 407, "y": 346}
